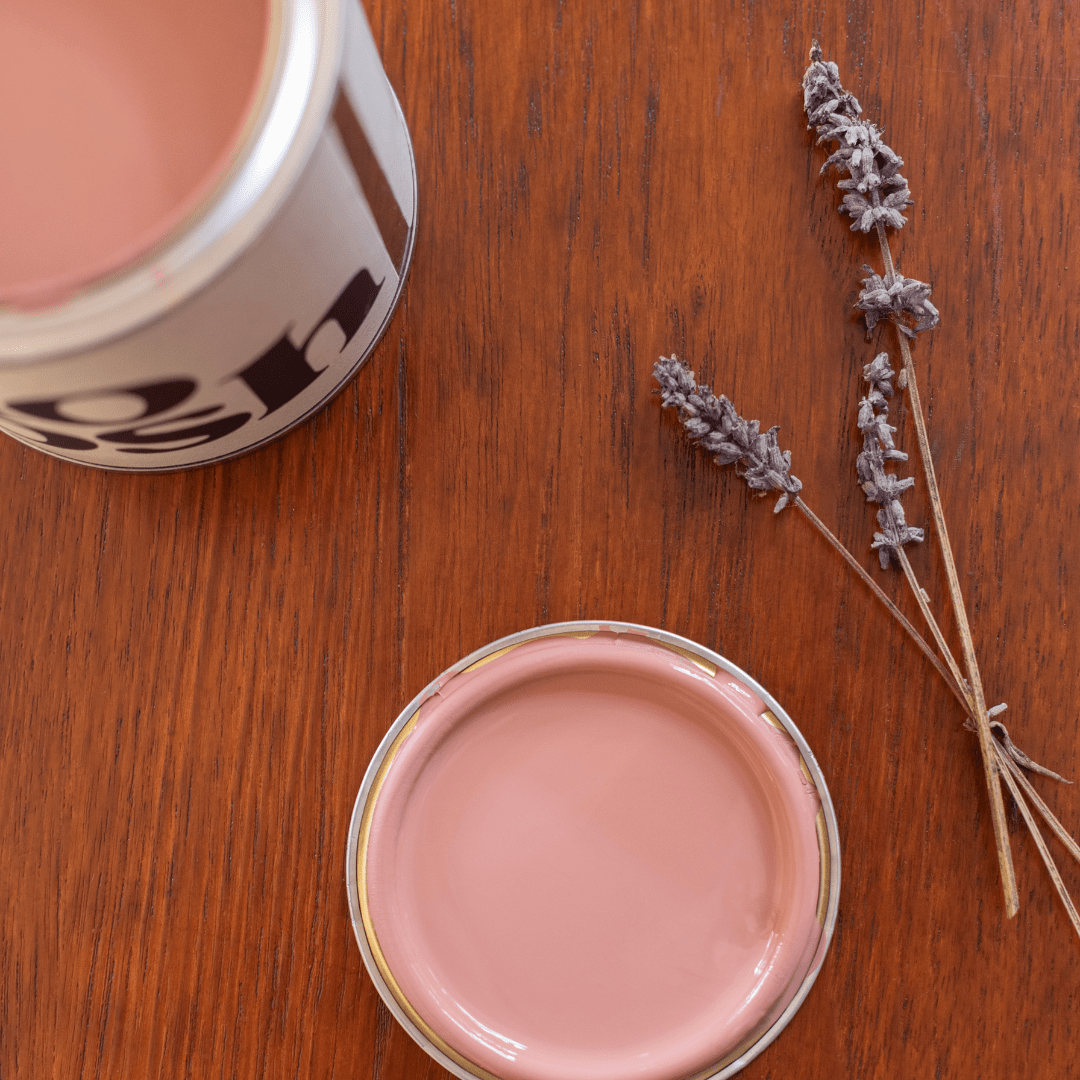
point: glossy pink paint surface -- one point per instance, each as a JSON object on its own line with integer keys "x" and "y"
{"x": 118, "y": 117}
{"x": 592, "y": 861}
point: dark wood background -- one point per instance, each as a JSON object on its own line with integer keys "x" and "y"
{"x": 195, "y": 668}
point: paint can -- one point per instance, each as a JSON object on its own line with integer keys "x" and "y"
{"x": 492, "y": 848}
{"x": 262, "y": 302}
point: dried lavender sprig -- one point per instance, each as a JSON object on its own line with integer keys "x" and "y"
{"x": 876, "y": 192}
{"x": 821, "y": 86}
{"x": 881, "y": 487}
{"x": 714, "y": 424}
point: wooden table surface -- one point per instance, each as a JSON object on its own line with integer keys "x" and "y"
{"x": 195, "y": 668}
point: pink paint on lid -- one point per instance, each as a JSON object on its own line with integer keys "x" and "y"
{"x": 119, "y": 117}
{"x": 592, "y": 860}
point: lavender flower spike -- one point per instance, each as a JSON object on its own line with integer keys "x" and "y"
{"x": 712, "y": 423}
{"x": 876, "y": 191}
{"x": 883, "y": 487}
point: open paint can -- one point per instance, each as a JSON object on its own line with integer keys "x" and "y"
{"x": 593, "y": 851}
{"x": 208, "y": 211}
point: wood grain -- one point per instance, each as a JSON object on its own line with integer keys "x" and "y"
{"x": 195, "y": 668}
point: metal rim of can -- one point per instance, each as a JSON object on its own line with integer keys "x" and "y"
{"x": 308, "y": 44}
{"x": 829, "y": 844}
